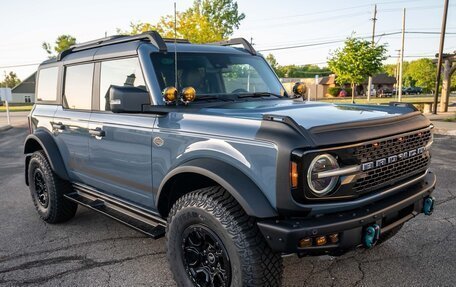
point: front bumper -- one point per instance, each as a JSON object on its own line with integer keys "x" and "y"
{"x": 284, "y": 235}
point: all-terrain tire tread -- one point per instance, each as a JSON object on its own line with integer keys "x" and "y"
{"x": 61, "y": 208}
{"x": 261, "y": 266}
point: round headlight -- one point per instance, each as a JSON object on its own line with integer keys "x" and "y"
{"x": 322, "y": 186}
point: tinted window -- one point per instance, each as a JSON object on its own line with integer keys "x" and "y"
{"x": 126, "y": 72}
{"x": 78, "y": 87}
{"x": 47, "y": 84}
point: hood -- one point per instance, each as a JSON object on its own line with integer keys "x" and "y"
{"x": 309, "y": 114}
{"x": 325, "y": 124}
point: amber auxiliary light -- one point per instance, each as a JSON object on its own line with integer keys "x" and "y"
{"x": 188, "y": 95}
{"x": 170, "y": 94}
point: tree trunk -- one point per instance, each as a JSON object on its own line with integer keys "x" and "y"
{"x": 353, "y": 92}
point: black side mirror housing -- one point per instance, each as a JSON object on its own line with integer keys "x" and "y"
{"x": 124, "y": 99}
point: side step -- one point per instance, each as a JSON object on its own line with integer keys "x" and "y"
{"x": 146, "y": 223}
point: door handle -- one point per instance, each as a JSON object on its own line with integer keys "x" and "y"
{"x": 98, "y": 133}
{"x": 58, "y": 126}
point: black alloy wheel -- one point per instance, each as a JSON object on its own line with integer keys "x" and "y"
{"x": 205, "y": 257}
{"x": 41, "y": 189}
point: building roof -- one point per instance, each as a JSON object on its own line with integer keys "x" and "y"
{"x": 328, "y": 80}
{"x": 382, "y": 79}
{"x": 27, "y": 86}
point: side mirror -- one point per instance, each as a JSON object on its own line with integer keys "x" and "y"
{"x": 124, "y": 99}
{"x": 299, "y": 89}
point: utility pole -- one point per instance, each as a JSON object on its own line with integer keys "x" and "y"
{"x": 439, "y": 64}
{"x": 369, "y": 82}
{"x": 402, "y": 59}
{"x": 397, "y": 72}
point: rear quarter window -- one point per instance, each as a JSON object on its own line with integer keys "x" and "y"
{"x": 47, "y": 85}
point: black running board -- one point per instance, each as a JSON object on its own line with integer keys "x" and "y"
{"x": 137, "y": 219}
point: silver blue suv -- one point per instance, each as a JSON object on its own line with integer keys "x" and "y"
{"x": 203, "y": 144}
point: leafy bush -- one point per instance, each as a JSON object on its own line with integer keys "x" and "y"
{"x": 334, "y": 91}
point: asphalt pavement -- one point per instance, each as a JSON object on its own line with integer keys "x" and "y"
{"x": 93, "y": 250}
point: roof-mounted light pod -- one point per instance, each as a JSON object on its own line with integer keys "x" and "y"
{"x": 188, "y": 95}
{"x": 170, "y": 95}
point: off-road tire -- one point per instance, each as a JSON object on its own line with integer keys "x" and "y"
{"x": 389, "y": 234}
{"x": 57, "y": 208}
{"x": 253, "y": 263}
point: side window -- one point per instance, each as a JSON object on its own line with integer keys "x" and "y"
{"x": 47, "y": 84}
{"x": 125, "y": 72}
{"x": 78, "y": 87}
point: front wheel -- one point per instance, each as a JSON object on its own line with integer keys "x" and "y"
{"x": 212, "y": 242}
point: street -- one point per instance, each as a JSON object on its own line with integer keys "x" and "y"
{"x": 93, "y": 250}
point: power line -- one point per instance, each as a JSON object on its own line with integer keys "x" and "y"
{"x": 20, "y": 65}
{"x": 343, "y": 40}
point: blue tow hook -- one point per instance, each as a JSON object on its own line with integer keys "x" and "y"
{"x": 371, "y": 235}
{"x": 428, "y": 205}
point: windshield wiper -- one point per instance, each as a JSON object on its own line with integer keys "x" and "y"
{"x": 210, "y": 98}
{"x": 259, "y": 95}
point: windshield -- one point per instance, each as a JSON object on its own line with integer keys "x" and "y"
{"x": 217, "y": 74}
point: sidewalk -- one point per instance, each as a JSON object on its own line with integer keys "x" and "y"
{"x": 17, "y": 119}
{"x": 440, "y": 125}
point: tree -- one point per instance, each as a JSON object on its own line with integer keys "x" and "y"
{"x": 206, "y": 21}
{"x": 422, "y": 73}
{"x": 390, "y": 69}
{"x": 272, "y": 61}
{"x": 356, "y": 61}
{"x": 10, "y": 80}
{"x": 223, "y": 14}
{"x": 62, "y": 43}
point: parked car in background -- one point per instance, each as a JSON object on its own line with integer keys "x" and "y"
{"x": 396, "y": 92}
{"x": 413, "y": 90}
{"x": 373, "y": 92}
{"x": 384, "y": 92}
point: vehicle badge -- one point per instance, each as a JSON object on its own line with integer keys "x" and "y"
{"x": 158, "y": 141}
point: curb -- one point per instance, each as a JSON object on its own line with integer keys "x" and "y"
{"x": 5, "y": 128}
{"x": 445, "y": 132}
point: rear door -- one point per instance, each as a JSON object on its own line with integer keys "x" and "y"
{"x": 120, "y": 159}
{"x": 71, "y": 120}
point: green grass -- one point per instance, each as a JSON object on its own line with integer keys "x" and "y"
{"x": 451, "y": 119}
{"x": 374, "y": 101}
{"x": 16, "y": 108}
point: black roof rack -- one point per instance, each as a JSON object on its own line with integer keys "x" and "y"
{"x": 180, "y": 41}
{"x": 151, "y": 36}
{"x": 236, "y": 41}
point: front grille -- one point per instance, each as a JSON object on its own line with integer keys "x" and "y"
{"x": 389, "y": 174}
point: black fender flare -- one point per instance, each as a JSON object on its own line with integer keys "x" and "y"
{"x": 50, "y": 148}
{"x": 239, "y": 185}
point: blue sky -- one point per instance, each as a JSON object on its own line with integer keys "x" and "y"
{"x": 25, "y": 24}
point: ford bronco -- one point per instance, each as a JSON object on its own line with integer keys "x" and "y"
{"x": 201, "y": 143}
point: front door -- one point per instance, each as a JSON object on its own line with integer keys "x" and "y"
{"x": 120, "y": 154}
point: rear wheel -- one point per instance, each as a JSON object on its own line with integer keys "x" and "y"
{"x": 212, "y": 242}
{"x": 47, "y": 191}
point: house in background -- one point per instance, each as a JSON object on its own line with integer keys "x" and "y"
{"x": 381, "y": 82}
{"x": 25, "y": 91}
